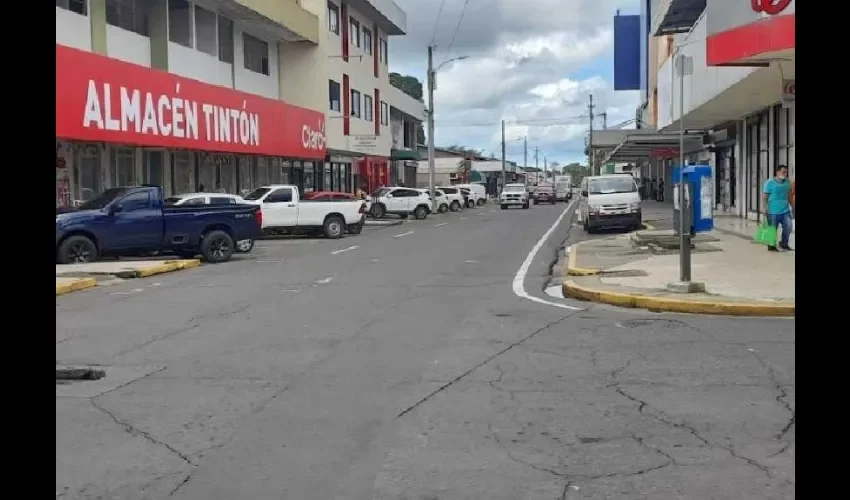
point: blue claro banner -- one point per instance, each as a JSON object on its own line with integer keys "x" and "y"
{"x": 627, "y": 52}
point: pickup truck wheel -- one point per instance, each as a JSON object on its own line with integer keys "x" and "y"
{"x": 455, "y": 206}
{"x": 217, "y": 246}
{"x": 333, "y": 227}
{"x": 77, "y": 250}
{"x": 378, "y": 210}
{"x": 421, "y": 212}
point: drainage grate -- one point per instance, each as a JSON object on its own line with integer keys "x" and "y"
{"x": 655, "y": 323}
{"x": 68, "y": 375}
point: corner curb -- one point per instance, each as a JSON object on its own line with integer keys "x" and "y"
{"x": 170, "y": 266}
{"x": 75, "y": 285}
{"x": 573, "y": 269}
{"x": 666, "y": 304}
{"x": 388, "y": 223}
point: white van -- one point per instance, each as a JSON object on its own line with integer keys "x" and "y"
{"x": 478, "y": 191}
{"x": 609, "y": 201}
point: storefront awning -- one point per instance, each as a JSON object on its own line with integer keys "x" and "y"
{"x": 637, "y": 147}
{"x": 680, "y": 17}
{"x": 405, "y": 154}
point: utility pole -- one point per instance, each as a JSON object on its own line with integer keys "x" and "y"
{"x": 504, "y": 179}
{"x": 545, "y": 168}
{"x": 431, "y": 173}
{"x": 604, "y": 120}
{"x": 536, "y": 153}
{"x": 525, "y": 160}
{"x": 590, "y": 156}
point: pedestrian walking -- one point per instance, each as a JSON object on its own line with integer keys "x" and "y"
{"x": 776, "y": 198}
{"x": 660, "y": 190}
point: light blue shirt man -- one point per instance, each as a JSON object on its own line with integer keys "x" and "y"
{"x": 778, "y": 193}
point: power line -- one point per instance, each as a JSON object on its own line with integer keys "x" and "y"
{"x": 437, "y": 22}
{"x": 457, "y": 29}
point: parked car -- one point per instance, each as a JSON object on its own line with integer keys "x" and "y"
{"x": 468, "y": 197}
{"x": 340, "y": 196}
{"x": 544, "y": 194}
{"x": 129, "y": 221}
{"x": 186, "y": 199}
{"x": 454, "y": 197}
{"x": 284, "y": 211}
{"x": 400, "y": 201}
{"x": 609, "y": 201}
{"x": 514, "y": 194}
{"x": 442, "y": 200}
{"x": 478, "y": 191}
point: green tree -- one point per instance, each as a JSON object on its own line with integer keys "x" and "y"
{"x": 410, "y": 85}
{"x": 577, "y": 171}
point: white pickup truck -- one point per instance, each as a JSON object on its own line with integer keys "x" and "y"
{"x": 285, "y": 212}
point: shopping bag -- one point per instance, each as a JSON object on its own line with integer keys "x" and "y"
{"x": 765, "y": 235}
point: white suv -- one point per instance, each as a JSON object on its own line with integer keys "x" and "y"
{"x": 400, "y": 201}
{"x": 442, "y": 203}
{"x": 514, "y": 194}
{"x": 454, "y": 197}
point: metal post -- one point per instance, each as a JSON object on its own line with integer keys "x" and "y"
{"x": 525, "y": 160}
{"x": 591, "y": 160}
{"x": 684, "y": 227}
{"x": 431, "y": 173}
{"x": 504, "y": 179}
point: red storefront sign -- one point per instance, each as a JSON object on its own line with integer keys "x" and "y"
{"x": 749, "y": 33}
{"x": 770, "y": 7}
{"x": 101, "y": 99}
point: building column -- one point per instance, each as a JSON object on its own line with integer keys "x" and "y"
{"x": 158, "y": 34}
{"x": 97, "y": 18}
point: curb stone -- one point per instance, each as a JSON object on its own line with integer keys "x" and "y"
{"x": 68, "y": 285}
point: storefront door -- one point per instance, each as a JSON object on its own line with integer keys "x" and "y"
{"x": 153, "y": 162}
{"x": 122, "y": 163}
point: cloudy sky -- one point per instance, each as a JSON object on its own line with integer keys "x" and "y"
{"x": 532, "y": 63}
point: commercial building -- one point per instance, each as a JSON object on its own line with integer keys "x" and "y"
{"x": 735, "y": 98}
{"x": 223, "y": 95}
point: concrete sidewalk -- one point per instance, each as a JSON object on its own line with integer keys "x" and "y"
{"x": 741, "y": 278}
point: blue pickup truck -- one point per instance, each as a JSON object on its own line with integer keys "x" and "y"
{"x": 133, "y": 221}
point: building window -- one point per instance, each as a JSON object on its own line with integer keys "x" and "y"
{"x": 78, "y": 6}
{"x": 180, "y": 22}
{"x": 333, "y": 95}
{"x": 785, "y": 154}
{"x": 355, "y": 32}
{"x": 205, "y": 28}
{"x": 131, "y": 15}
{"x": 256, "y": 54}
{"x": 87, "y": 173}
{"x": 368, "y": 110}
{"x": 385, "y": 113}
{"x": 225, "y": 40}
{"x": 367, "y": 41}
{"x": 333, "y": 18}
{"x": 123, "y": 162}
{"x": 355, "y": 103}
{"x": 383, "y": 50}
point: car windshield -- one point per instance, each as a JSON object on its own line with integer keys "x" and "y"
{"x": 105, "y": 198}
{"x": 256, "y": 194}
{"x": 514, "y": 189}
{"x": 609, "y": 185}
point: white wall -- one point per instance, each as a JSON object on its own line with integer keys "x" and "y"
{"x": 197, "y": 65}
{"x": 249, "y": 81}
{"x": 72, "y": 29}
{"x": 128, "y": 46}
{"x": 703, "y": 85}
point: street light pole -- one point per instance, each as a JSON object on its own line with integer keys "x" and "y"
{"x": 504, "y": 179}
{"x": 431, "y": 173}
{"x": 525, "y": 160}
{"x": 684, "y": 227}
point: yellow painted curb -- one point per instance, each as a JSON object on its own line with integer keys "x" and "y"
{"x": 667, "y": 304}
{"x": 73, "y": 286}
{"x": 167, "y": 267}
{"x": 573, "y": 269}
{"x": 648, "y": 227}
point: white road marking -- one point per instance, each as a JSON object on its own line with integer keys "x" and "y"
{"x": 352, "y": 247}
{"x": 267, "y": 261}
{"x": 471, "y": 261}
{"x": 403, "y": 234}
{"x": 325, "y": 280}
{"x": 519, "y": 279}
{"x": 131, "y": 292}
{"x": 442, "y": 224}
{"x": 482, "y": 213}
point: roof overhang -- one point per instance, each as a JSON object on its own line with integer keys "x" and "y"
{"x": 638, "y": 147}
{"x": 680, "y": 16}
{"x": 385, "y": 13}
{"x": 286, "y": 21}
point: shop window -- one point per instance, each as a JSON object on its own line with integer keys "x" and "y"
{"x": 88, "y": 178}
{"x": 180, "y": 22}
{"x": 261, "y": 171}
{"x": 367, "y": 41}
{"x": 383, "y": 51}
{"x": 368, "y": 109}
{"x": 123, "y": 162}
{"x": 183, "y": 172}
{"x": 205, "y": 31}
{"x": 354, "y": 32}
{"x": 286, "y": 172}
{"x": 309, "y": 177}
{"x": 256, "y": 53}
{"x": 328, "y": 178}
{"x": 225, "y": 40}
{"x": 226, "y": 175}
{"x": 154, "y": 168}
{"x": 131, "y": 15}
{"x": 333, "y": 18}
{"x": 355, "y": 103}
{"x": 274, "y": 171}
{"x": 78, "y": 6}
{"x": 333, "y": 95}
{"x": 207, "y": 172}
{"x": 247, "y": 179}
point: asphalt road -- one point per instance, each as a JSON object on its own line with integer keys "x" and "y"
{"x": 403, "y": 364}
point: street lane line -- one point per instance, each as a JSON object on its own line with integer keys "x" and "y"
{"x": 337, "y": 252}
{"x": 325, "y": 281}
{"x": 442, "y": 224}
{"x": 482, "y": 213}
{"x": 519, "y": 279}
{"x": 403, "y": 234}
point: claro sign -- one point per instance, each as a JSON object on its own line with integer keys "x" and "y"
{"x": 105, "y": 100}
{"x": 770, "y": 7}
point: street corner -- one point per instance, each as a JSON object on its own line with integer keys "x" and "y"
{"x": 125, "y": 269}
{"x": 572, "y": 267}
{"x": 68, "y": 285}
{"x": 592, "y": 289}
